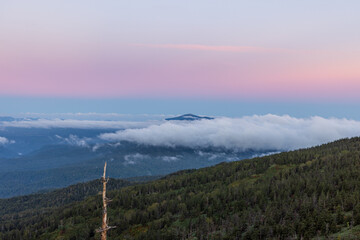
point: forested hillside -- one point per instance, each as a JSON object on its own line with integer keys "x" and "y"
{"x": 63, "y": 196}
{"x": 301, "y": 194}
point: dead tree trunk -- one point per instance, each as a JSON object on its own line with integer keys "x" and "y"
{"x": 104, "y": 226}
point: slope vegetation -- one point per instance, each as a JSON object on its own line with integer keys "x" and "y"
{"x": 301, "y": 194}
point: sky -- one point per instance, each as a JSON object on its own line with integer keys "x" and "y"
{"x": 229, "y": 57}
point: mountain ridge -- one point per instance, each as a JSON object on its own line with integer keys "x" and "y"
{"x": 188, "y": 117}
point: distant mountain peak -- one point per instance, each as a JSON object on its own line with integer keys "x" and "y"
{"x": 188, "y": 117}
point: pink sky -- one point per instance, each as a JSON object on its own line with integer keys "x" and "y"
{"x": 182, "y": 71}
{"x": 48, "y": 50}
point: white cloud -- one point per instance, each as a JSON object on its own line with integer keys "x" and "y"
{"x": 251, "y": 132}
{"x": 73, "y": 123}
{"x": 232, "y": 159}
{"x": 264, "y": 154}
{"x": 170, "y": 158}
{"x": 96, "y": 147}
{"x": 211, "y": 156}
{"x": 134, "y": 158}
{"x": 75, "y": 140}
{"x": 4, "y": 140}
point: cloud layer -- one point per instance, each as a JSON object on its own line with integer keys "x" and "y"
{"x": 252, "y": 132}
{"x": 72, "y": 123}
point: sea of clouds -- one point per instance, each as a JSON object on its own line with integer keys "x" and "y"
{"x": 250, "y": 132}
{"x": 257, "y": 132}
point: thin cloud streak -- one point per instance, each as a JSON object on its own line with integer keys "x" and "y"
{"x": 218, "y": 48}
{"x": 71, "y": 123}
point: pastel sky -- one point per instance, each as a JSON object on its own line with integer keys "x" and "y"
{"x": 264, "y": 50}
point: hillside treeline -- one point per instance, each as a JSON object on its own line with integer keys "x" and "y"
{"x": 300, "y": 194}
